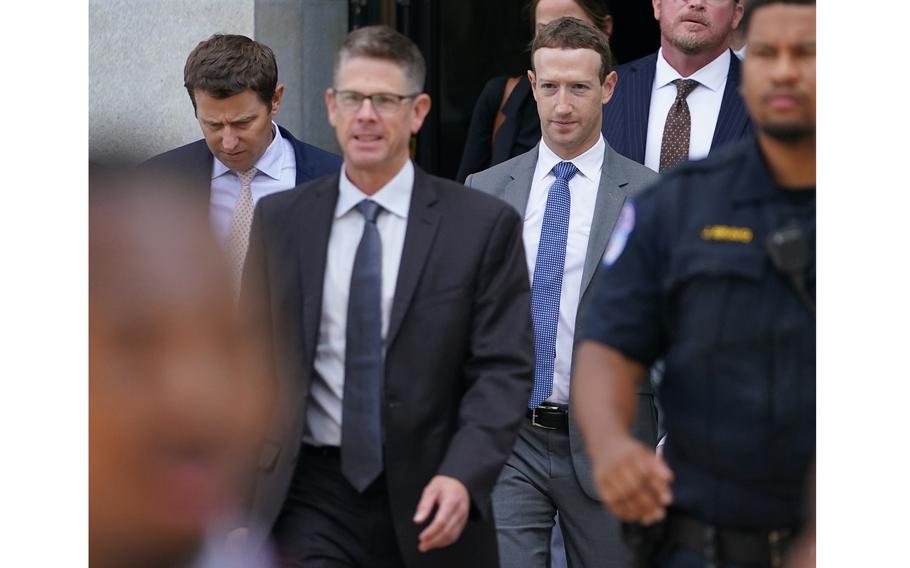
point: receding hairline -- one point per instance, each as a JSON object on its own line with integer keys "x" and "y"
{"x": 572, "y": 33}
{"x": 382, "y": 42}
{"x": 345, "y": 56}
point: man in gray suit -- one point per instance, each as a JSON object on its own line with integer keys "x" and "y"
{"x": 570, "y": 189}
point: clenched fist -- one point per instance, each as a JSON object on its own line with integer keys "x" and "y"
{"x": 634, "y": 482}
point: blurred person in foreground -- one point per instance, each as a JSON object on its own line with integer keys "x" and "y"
{"x": 716, "y": 273}
{"x": 401, "y": 318}
{"x": 570, "y": 190}
{"x": 504, "y": 123}
{"x": 177, "y": 399}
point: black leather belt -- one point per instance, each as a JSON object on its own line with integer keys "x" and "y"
{"x": 721, "y": 545}
{"x": 549, "y": 417}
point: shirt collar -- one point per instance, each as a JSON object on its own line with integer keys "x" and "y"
{"x": 713, "y": 75}
{"x": 589, "y": 162}
{"x": 270, "y": 162}
{"x": 394, "y": 197}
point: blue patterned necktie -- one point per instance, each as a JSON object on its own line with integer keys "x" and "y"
{"x": 547, "y": 285}
{"x": 361, "y": 422}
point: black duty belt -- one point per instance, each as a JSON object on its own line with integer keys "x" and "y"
{"x": 549, "y": 417}
{"x": 721, "y": 545}
{"x": 322, "y": 451}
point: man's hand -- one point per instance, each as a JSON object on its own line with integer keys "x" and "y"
{"x": 450, "y": 498}
{"x": 634, "y": 482}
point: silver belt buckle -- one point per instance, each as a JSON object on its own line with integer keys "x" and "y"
{"x": 534, "y": 421}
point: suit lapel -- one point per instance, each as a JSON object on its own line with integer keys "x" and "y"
{"x": 199, "y": 169}
{"x": 611, "y": 196}
{"x": 641, "y": 81}
{"x": 732, "y": 120}
{"x": 516, "y": 192}
{"x": 423, "y": 221}
{"x": 315, "y": 217}
{"x": 304, "y": 167}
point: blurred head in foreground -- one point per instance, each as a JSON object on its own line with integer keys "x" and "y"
{"x": 176, "y": 390}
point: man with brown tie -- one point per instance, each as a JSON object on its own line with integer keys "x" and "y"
{"x": 232, "y": 82}
{"x": 683, "y": 101}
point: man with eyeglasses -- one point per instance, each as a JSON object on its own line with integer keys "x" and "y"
{"x": 682, "y": 102}
{"x": 399, "y": 307}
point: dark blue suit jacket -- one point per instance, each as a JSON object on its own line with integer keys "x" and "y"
{"x": 625, "y": 122}
{"x": 193, "y": 162}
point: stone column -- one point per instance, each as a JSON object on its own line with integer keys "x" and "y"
{"x": 137, "y": 48}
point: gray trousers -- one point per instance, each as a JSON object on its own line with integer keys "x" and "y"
{"x": 537, "y": 481}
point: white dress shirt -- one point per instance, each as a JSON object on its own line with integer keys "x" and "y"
{"x": 704, "y": 106}
{"x": 323, "y": 414}
{"x": 277, "y": 172}
{"x": 583, "y": 191}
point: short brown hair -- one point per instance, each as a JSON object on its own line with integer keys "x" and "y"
{"x": 596, "y": 10}
{"x": 225, "y": 65}
{"x": 572, "y": 33}
{"x": 382, "y": 42}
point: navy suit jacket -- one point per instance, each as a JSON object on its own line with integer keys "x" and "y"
{"x": 625, "y": 122}
{"x": 193, "y": 162}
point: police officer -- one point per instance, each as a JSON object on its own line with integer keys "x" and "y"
{"x": 713, "y": 268}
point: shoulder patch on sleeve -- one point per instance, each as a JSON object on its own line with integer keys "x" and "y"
{"x": 620, "y": 236}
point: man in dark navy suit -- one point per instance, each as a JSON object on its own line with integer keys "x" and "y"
{"x": 233, "y": 84}
{"x": 683, "y": 101}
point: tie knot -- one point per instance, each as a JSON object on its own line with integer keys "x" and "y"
{"x": 565, "y": 170}
{"x": 684, "y": 87}
{"x": 369, "y": 209}
{"x": 246, "y": 176}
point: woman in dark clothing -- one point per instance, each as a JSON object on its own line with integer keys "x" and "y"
{"x": 504, "y": 123}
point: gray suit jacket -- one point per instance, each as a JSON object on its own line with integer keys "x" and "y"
{"x": 621, "y": 179}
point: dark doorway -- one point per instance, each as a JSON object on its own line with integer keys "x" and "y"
{"x": 466, "y": 42}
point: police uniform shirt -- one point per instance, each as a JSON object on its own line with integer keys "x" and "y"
{"x": 689, "y": 279}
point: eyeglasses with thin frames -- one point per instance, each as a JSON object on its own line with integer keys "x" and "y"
{"x": 384, "y": 103}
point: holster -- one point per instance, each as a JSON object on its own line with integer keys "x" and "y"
{"x": 646, "y": 546}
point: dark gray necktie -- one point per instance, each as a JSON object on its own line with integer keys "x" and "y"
{"x": 674, "y": 146}
{"x": 361, "y": 422}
